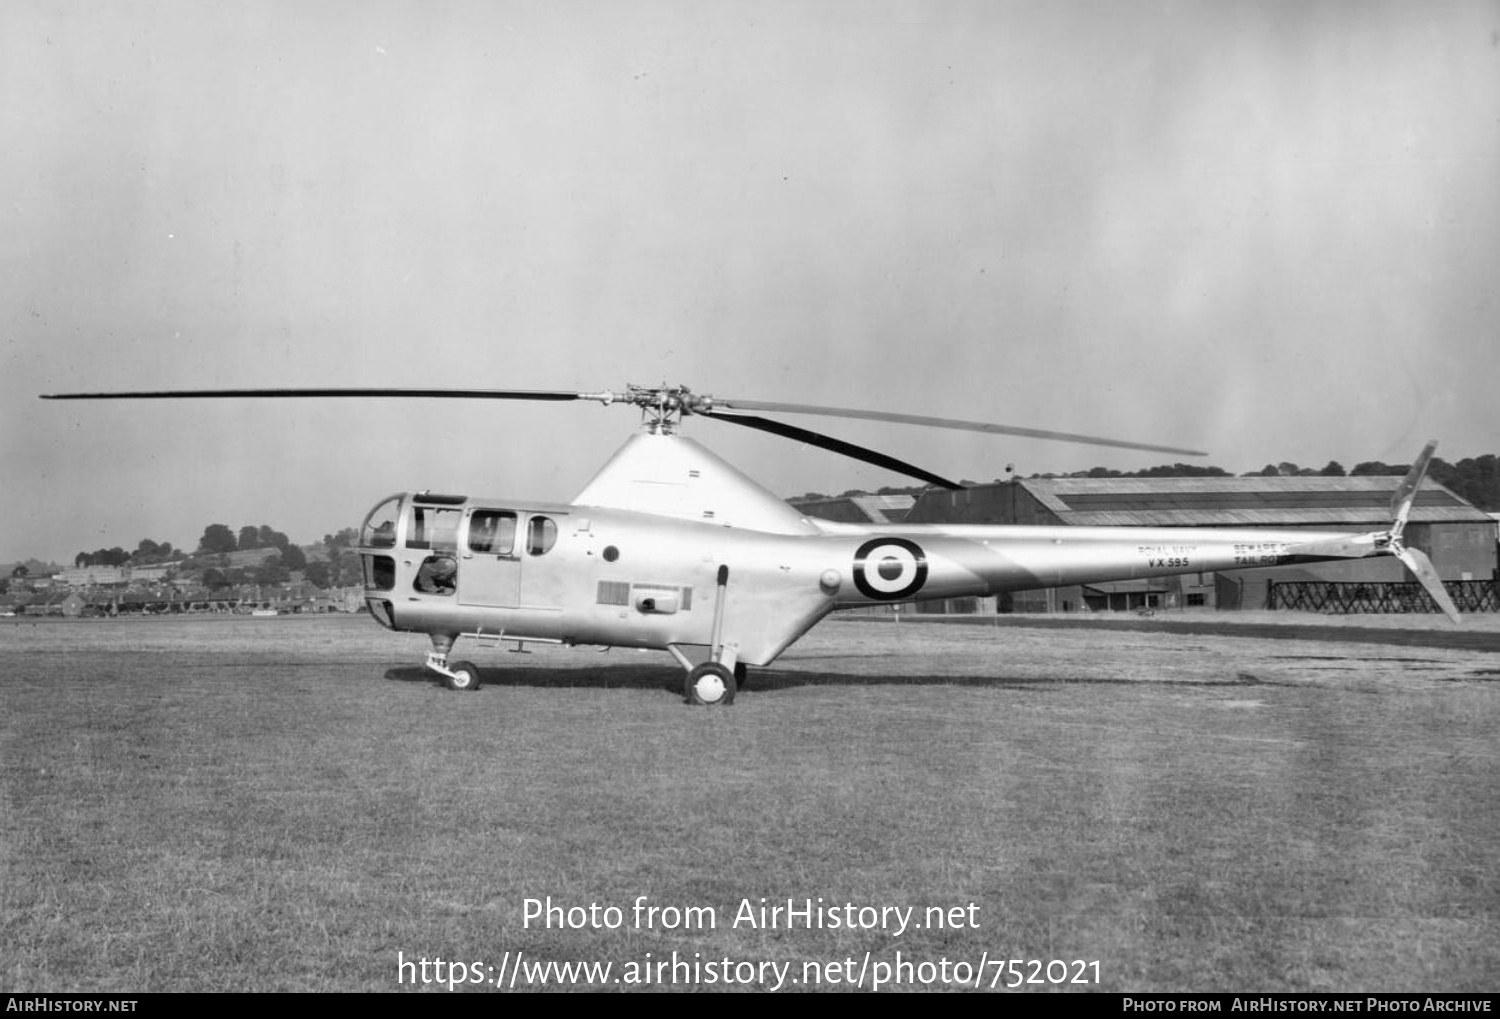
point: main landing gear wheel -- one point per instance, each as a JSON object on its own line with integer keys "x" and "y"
{"x": 711, "y": 684}
{"x": 465, "y": 676}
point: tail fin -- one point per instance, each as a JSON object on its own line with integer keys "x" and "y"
{"x": 1414, "y": 559}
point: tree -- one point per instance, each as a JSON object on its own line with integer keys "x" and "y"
{"x": 116, "y": 556}
{"x": 270, "y": 572}
{"x": 293, "y": 558}
{"x": 347, "y": 537}
{"x": 1179, "y": 470}
{"x": 1479, "y": 481}
{"x": 1333, "y": 470}
{"x": 345, "y": 569}
{"x": 249, "y": 537}
{"x": 1476, "y": 479}
{"x": 217, "y": 538}
{"x": 267, "y": 536}
{"x": 1374, "y": 468}
{"x": 317, "y": 574}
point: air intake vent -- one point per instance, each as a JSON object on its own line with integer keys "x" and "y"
{"x": 614, "y": 592}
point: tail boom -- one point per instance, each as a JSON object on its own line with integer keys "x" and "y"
{"x": 962, "y": 561}
{"x": 982, "y": 560}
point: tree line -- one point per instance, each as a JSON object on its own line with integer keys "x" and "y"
{"x": 209, "y": 563}
{"x": 1476, "y": 479}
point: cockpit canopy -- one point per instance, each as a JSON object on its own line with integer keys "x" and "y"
{"x": 432, "y": 522}
{"x": 436, "y": 523}
{"x": 440, "y": 529}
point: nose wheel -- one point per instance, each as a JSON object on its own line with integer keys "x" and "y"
{"x": 462, "y": 676}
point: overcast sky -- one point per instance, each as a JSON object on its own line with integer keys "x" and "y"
{"x": 1271, "y": 231}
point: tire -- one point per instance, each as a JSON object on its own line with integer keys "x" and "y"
{"x": 465, "y": 676}
{"x": 741, "y": 676}
{"x": 710, "y": 684}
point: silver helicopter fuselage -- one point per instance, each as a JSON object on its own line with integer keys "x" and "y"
{"x": 669, "y": 546}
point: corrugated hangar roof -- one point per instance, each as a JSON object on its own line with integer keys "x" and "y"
{"x": 1257, "y": 501}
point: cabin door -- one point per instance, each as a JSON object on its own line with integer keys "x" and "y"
{"x": 489, "y": 570}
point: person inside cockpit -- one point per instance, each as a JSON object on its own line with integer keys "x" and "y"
{"x": 438, "y": 574}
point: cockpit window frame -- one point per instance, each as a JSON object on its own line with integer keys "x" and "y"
{"x": 433, "y": 527}
{"x": 383, "y": 535}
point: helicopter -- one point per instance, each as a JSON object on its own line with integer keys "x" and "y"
{"x": 669, "y": 547}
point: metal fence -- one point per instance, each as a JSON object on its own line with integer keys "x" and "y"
{"x": 1338, "y": 597}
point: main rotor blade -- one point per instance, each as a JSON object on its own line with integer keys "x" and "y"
{"x": 969, "y": 426}
{"x": 828, "y": 442}
{"x": 451, "y": 394}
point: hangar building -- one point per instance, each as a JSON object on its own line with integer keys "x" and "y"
{"x": 1460, "y": 539}
{"x": 857, "y": 509}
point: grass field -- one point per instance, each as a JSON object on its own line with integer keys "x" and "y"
{"x": 289, "y": 803}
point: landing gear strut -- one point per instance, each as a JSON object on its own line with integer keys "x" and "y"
{"x": 715, "y": 681}
{"x": 458, "y": 675}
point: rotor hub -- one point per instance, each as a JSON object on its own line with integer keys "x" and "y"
{"x": 663, "y": 407}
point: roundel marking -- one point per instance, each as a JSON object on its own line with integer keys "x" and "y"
{"x": 888, "y": 569}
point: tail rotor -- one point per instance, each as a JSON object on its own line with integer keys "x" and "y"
{"x": 1414, "y": 559}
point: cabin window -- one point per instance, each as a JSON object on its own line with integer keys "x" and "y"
{"x": 434, "y": 528}
{"x": 380, "y": 572}
{"x": 541, "y": 535}
{"x": 438, "y": 574}
{"x": 492, "y": 531}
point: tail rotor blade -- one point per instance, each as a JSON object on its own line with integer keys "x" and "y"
{"x": 1406, "y": 492}
{"x": 1421, "y": 567}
